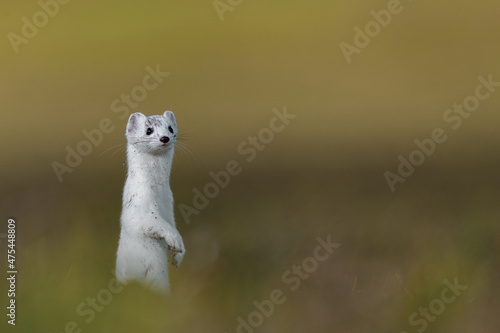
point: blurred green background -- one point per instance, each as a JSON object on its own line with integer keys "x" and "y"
{"x": 323, "y": 175}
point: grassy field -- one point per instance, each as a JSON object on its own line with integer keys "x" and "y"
{"x": 419, "y": 258}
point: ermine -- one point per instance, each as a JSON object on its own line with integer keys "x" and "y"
{"x": 148, "y": 228}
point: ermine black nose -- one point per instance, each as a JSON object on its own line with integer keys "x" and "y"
{"x": 164, "y": 139}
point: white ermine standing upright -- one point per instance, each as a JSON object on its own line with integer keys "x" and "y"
{"x": 147, "y": 221}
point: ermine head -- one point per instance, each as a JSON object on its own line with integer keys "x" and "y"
{"x": 153, "y": 134}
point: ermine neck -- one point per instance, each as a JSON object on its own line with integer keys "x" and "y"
{"x": 149, "y": 169}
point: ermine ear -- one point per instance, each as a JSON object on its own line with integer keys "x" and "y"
{"x": 170, "y": 116}
{"x": 135, "y": 121}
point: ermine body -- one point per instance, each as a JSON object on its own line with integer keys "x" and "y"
{"x": 148, "y": 228}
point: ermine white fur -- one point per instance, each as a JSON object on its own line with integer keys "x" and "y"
{"x": 148, "y": 228}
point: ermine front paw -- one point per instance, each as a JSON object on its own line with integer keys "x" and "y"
{"x": 177, "y": 258}
{"x": 178, "y": 251}
{"x": 174, "y": 245}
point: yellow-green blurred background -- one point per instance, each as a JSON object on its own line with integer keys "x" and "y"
{"x": 323, "y": 175}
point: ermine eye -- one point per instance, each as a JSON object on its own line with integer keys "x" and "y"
{"x": 149, "y": 131}
{"x": 170, "y": 129}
